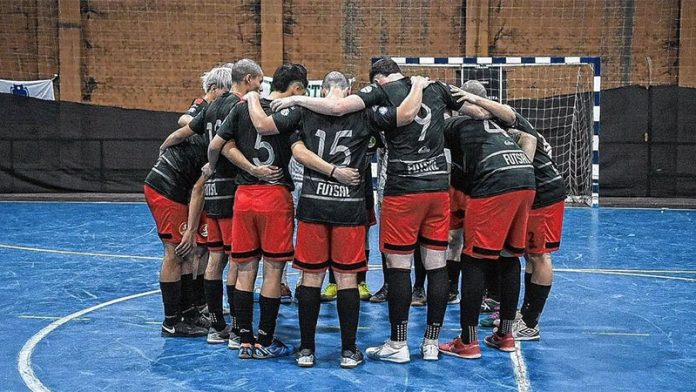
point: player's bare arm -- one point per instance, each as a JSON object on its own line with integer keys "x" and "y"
{"x": 214, "y": 150}
{"x": 184, "y": 120}
{"x": 526, "y": 141}
{"x": 344, "y": 175}
{"x": 188, "y": 240}
{"x": 176, "y": 137}
{"x": 268, "y": 173}
{"x": 263, "y": 123}
{"x": 408, "y": 110}
{"x": 498, "y": 110}
{"x": 331, "y": 107}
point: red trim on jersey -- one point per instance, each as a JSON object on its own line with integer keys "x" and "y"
{"x": 494, "y": 223}
{"x": 407, "y": 219}
{"x": 544, "y": 228}
{"x": 263, "y": 223}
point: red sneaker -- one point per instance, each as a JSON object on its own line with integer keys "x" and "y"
{"x": 503, "y": 343}
{"x": 458, "y": 349}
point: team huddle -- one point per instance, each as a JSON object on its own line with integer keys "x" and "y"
{"x": 467, "y": 185}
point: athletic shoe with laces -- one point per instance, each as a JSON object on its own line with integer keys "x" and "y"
{"x": 183, "y": 330}
{"x": 453, "y": 297}
{"x": 330, "y": 292}
{"x": 246, "y": 352}
{"x": 520, "y": 331}
{"x": 219, "y": 337}
{"x": 489, "y": 305}
{"x": 351, "y": 358}
{"x": 429, "y": 349}
{"x": 274, "y": 350}
{"x": 418, "y": 297}
{"x": 234, "y": 342}
{"x": 503, "y": 343}
{"x": 380, "y": 295}
{"x": 489, "y": 321}
{"x": 496, "y": 322}
{"x": 389, "y": 352}
{"x": 194, "y": 317}
{"x": 457, "y": 348}
{"x": 285, "y": 294}
{"x": 305, "y": 358}
{"x": 364, "y": 291}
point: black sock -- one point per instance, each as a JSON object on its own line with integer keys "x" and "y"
{"x": 527, "y": 282}
{"x": 473, "y": 281}
{"x": 536, "y": 301}
{"x": 348, "y": 306}
{"x": 453, "y": 271}
{"x": 213, "y": 297}
{"x": 399, "y": 297}
{"x": 171, "y": 296}
{"x": 509, "y": 268}
{"x": 186, "y": 302}
{"x": 438, "y": 292}
{"x": 419, "y": 269}
{"x": 385, "y": 269}
{"x": 492, "y": 285}
{"x": 308, "y": 305}
{"x": 267, "y": 319}
{"x": 332, "y": 277}
{"x": 199, "y": 291}
{"x": 244, "y": 307}
{"x": 233, "y": 312}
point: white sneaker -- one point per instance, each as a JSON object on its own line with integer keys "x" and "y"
{"x": 520, "y": 331}
{"x": 305, "y": 358}
{"x": 388, "y": 352}
{"x": 430, "y": 350}
{"x": 234, "y": 342}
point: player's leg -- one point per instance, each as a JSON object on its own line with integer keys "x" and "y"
{"x": 331, "y": 289}
{"x": 312, "y": 258}
{"x": 244, "y": 303}
{"x": 418, "y": 297}
{"x": 454, "y": 252}
{"x": 200, "y": 262}
{"x": 348, "y": 261}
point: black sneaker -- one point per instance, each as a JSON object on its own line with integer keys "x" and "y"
{"x": 183, "y": 330}
{"x": 194, "y": 317}
{"x": 453, "y": 296}
{"x": 351, "y": 358}
{"x": 379, "y": 296}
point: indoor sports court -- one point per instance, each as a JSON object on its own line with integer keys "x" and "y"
{"x": 91, "y": 91}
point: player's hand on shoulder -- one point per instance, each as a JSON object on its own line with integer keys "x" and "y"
{"x": 251, "y": 95}
{"x": 346, "y": 175}
{"x": 422, "y": 81}
{"x": 282, "y": 103}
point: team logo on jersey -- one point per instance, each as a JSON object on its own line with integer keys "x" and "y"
{"x": 203, "y": 230}
{"x": 383, "y": 110}
{"x": 182, "y": 228}
{"x": 423, "y": 150}
{"x": 372, "y": 143}
{"x": 285, "y": 112}
{"x": 366, "y": 89}
{"x": 509, "y": 143}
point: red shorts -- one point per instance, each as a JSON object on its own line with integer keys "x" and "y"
{"x": 262, "y": 223}
{"x": 494, "y": 223}
{"x": 220, "y": 234}
{"x": 458, "y": 201}
{"x": 544, "y": 228}
{"x": 322, "y": 245}
{"x": 171, "y": 218}
{"x": 416, "y": 218}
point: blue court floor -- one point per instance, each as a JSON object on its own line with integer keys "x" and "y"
{"x": 78, "y": 289}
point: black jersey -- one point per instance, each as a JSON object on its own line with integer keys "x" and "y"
{"x": 372, "y": 146}
{"x": 341, "y": 141}
{"x": 550, "y": 187}
{"x": 458, "y": 178}
{"x": 262, "y": 150}
{"x": 197, "y": 106}
{"x": 416, "y": 151}
{"x": 220, "y": 188}
{"x": 178, "y": 169}
{"x": 492, "y": 163}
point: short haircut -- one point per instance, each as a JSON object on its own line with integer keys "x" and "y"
{"x": 335, "y": 79}
{"x": 475, "y": 87}
{"x": 385, "y": 66}
{"x": 220, "y": 77}
{"x": 286, "y": 74}
{"x": 229, "y": 65}
{"x": 243, "y": 68}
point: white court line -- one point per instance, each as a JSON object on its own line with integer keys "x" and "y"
{"x": 70, "y": 252}
{"x": 24, "y": 356}
{"x": 609, "y": 272}
{"x": 520, "y": 368}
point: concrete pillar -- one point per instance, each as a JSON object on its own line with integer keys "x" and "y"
{"x": 69, "y": 53}
{"x": 477, "y": 27}
{"x": 271, "y": 35}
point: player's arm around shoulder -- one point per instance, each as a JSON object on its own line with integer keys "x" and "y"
{"x": 331, "y": 107}
{"x": 263, "y": 123}
{"x": 526, "y": 141}
{"x": 410, "y": 106}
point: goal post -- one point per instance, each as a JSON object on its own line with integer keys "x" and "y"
{"x": 558, "y": 95}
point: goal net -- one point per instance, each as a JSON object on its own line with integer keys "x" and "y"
{"x": 559, "y": 96}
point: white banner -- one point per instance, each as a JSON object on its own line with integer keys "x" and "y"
{"x": 42, "y": 89}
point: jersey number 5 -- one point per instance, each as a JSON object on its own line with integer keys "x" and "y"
{"x": 262, "y": 145}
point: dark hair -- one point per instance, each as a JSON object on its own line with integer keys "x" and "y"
{"x": 286, "y": 74}
{"x": 385, "y": 66}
